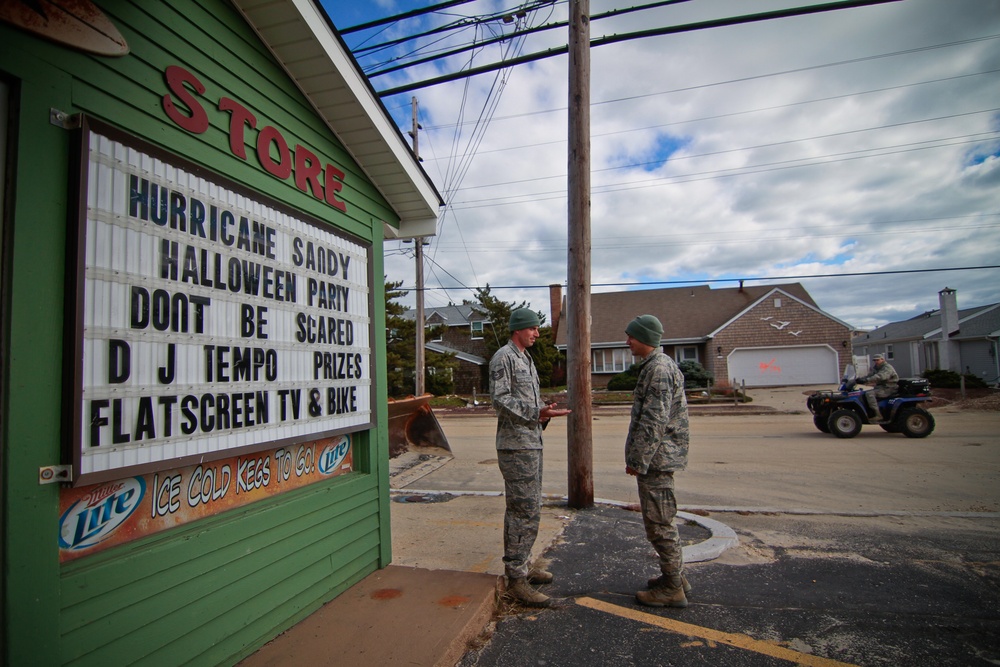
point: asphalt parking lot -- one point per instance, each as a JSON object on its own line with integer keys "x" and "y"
{"x": 798, "y": 590}
{"x": 880, "y": 550}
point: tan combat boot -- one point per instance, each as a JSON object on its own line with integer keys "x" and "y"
{"x": 539, "y": 575}
{"x": 663, "y": 579}
{"x": 520, "y": 591}
{"x": 669, "y": 594}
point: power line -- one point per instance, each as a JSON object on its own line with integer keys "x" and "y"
{"x": 405, "y": 15}
{"x": 734, "y": 280}
{"x": 715, "y": 117}
{"x": 889, "y": 227}
{"x": 656, "y": 32}
{"x": 671, "y": 158}
{"x": 711, "y": 175}
{"x": 755, "y": 77}
{"x": 517, "y": 33}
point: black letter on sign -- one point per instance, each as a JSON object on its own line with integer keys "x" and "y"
{"x": 119, "y": 361}
{"x": 166, "y": 373}
{"x": 140, "y": 308}
{"x": 97, "y": 420}
{"x": 246, "y": 320}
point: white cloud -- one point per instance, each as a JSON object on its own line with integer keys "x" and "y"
{"x": 785, "y": 164}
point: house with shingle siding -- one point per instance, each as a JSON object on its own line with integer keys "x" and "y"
{"x": 761, "y": 336}
{"x": 460, "y": 331}
{"x": 964, "y": 341}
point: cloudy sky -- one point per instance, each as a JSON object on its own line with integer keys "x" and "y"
{"x": 805, "y": 149}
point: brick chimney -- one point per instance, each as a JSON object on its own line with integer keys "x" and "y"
{"x": 555, "y": 307}
{"x": 948, "y": 353}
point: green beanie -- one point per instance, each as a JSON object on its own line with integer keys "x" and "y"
{"x": 523, "y": 318}
{"x": 646, "y": 329}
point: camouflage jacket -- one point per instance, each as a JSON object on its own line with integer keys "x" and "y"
{"x": 516, "y": 399}
{"x": 658, "y": 434}
{"x": 885, "y": 379}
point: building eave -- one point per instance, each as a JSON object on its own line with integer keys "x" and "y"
{"x": 307, "y": 45}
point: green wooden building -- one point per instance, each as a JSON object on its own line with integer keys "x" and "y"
{"x": 193, "y": 423}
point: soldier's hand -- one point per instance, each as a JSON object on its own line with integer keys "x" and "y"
{"x": 550, "y": 411}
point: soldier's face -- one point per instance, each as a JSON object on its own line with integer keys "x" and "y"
{"x": 525, "y": 337}
{"x": 638, "y": 349}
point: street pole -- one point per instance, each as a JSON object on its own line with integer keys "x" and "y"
{"x": 579, "y": 424}
{"x": 418, "y": 244}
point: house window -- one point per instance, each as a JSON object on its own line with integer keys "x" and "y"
{"x": 477, "y": 330}
{"x": 611, "y": 361}
{"x": 622, "y": 359}
{"x": 888, "y": 352}
{"x": 777, "y": 303}
{"x": 597, "y": 361}
{"x": 688, "y": 353}
{"x": 931, "y": 360}
{"x": 448, "y": 372}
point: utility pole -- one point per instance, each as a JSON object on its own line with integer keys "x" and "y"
{"x": 579, "y": 424}
{"x": 418, "y": 245}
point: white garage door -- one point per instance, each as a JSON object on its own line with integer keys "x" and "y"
{"x": 777, "y": 366}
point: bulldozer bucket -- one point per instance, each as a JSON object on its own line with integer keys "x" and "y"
{"x": 412, "y": 424}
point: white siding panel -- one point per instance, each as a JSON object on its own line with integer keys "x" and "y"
{"x": 781, "y": 366}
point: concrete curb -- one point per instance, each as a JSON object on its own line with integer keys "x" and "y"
{"x": 723, "y": 537}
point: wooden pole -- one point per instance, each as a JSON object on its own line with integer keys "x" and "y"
{"x": 579, "y": 424}
{"x": 418, "y": 244}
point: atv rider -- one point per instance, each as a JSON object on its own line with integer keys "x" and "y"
{"x": 886, "y": 382}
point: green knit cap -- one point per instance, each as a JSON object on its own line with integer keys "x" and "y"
{"x": 523, "y": 318}
{"x": 646, "y": 329}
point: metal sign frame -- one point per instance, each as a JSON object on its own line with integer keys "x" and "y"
{"x": 204, "y": 319}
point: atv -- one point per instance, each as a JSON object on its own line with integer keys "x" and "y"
{"x": 844, "y": 412}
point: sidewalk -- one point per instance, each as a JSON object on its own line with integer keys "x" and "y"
{"x": 440, "y": 592}
{"x": 422, "y": 615}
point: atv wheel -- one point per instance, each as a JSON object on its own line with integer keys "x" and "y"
{"x": 917, "y": 423}
{"x": 844, "y": 423}
{"x": 820, "y": 422}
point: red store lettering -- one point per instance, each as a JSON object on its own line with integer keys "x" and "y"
{"x": 311, "y": 175}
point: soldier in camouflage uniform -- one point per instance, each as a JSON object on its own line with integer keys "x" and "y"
{"x": 886, "y": 382}
{"x": 656, "y": 447}
{"x": 521, "y": 415}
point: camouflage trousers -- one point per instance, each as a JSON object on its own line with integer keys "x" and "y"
{"x": 659, "y": 516}
{"x": 522, "y": 485}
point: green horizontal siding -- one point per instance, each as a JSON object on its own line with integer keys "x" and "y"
{"x": 222, "y": 51}
{"x": 211, "y": 591}
{"x": 219, "y": 584}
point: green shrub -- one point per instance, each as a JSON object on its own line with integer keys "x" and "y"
{"x": 943, "y": 379}
{"x": 626, "y": 380}
{"x": 695, "y": 374}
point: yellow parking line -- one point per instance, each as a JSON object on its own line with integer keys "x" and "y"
{"x": 738, "y": 641}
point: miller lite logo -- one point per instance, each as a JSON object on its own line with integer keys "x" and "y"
{"x": 96, "y": 516}
{"x": 333, "y": 455}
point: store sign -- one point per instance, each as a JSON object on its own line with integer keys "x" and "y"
{"x": 210, "y": 321}
{"x": 94, "y": 518}
{"x": 184, "y": 106}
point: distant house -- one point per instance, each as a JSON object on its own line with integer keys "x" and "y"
{"x": 760, "y": 336}
{"x": 462, "y": 333}
{"x": 964, "y": 341}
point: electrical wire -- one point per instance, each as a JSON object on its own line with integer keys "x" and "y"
{"x": 702, "y": 176}
{"x": 755, "y": 77}
{"x": 688, "y": 121}
{"x": 702, "y": 281}
{"x": 654, "y": 32}
{"x": 671, "y": 158}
